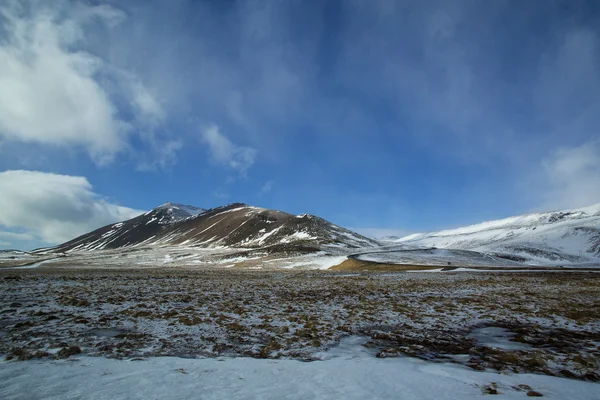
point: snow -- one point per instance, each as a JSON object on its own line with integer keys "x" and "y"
{"x": 29, "y": 266}
{"x": 350, "y": 235}
{"x": 522, "y": 220}
{"x": 107, "y": 234}
{"x": 184, "y": 256}
{"x": 313, "y": 262}
{"x": 237, "y": 259}
{"x": 193, "y": 211}
{"x": 497, "y": 338}
{"x": 438, "y": 257}
{"x": 264, "y": 237}
{"x": 348, "y": 371}
{"x": 410, "y": 237}
{"x": 297, "y": 236}
{"x": 554, "y": 238}
{"x": 234, "y": 209}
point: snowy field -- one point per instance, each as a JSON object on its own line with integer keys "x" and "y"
{"x": 460, "y": 258}
{"x": 348, "y": 371}
{"x": 177, "y": 257}
{"x": 568, "y": 237}
{"x": 441, "y": 257}
{"x": 551, "y": 320}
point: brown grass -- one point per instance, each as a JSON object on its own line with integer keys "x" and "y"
{"x": 360, "y": 265}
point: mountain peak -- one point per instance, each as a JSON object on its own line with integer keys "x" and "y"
{"x": 236, "y": 205}
{"x": 176, "y": 211}
{"x": 235, "y": 225}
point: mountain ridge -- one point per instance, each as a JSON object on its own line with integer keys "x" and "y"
{"x": 232, "y": 225}
{"x": 561, "y": 236}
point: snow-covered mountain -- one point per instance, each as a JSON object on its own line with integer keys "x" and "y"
{"x": 235, "y": 225}
{"x": 170, "y": 212}
{"x": 569, "y": 236}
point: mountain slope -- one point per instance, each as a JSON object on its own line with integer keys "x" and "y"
{"x": 569, "y": 236}
{"x": 234, "y": 225}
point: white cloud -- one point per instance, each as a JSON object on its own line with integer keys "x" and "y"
{"x": 224, "y": 152}
{"x": 160, "y": 153}
{"x": 16, "y": 236}
{"x": 49, "y": 94}
{"x": 220, "y": 194}
{"x": 148, "y": 108}
{"x": 53, "y": 208}
{"x": 266, "y": 188}
{"x": 55, "y": 93}
{"x": 573, "y": 177}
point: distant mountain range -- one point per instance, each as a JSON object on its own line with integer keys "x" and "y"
{"x": 561, "y": 237}
{"x": 569, "y": 236}
{"x": 235, "y": 225}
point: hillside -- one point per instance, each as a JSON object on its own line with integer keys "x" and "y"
{"x": 568, "y": 236}
{"x": 235, "y": 225}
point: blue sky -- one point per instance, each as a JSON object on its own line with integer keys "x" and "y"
{"x": 382, "y": 116}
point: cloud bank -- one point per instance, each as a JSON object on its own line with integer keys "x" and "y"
{"x": 573, "y": 177}
{"x": 52, "y": 208}
{"x": 56, "y": 93}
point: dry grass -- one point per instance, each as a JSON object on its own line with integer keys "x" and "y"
{"x": 360, "y": 265}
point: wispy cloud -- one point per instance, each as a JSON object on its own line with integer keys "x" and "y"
{"x": 266, "y": 188}
{"x": 226, "y": 153}
{"x": 16, "y": 236}
{"x": 220, "y": 194}
{"x": 572, "y": 177}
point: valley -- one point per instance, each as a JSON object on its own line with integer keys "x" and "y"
{"x": 241, "y": 236}
{"x": 511, "y": 297}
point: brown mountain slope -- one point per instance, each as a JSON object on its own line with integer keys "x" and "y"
{"x": 234, "y": 225}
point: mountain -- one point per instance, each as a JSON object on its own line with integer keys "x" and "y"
{"x": 235, "y": 225}
{"x": 170, "y": 212}
{"x": 569, "y": 236}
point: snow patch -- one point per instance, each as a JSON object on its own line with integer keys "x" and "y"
{"x": 347, "y": 372}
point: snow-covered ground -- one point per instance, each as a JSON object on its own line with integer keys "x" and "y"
{"x": 458, "y": 258}
{"x": 552, "y": 238}
{"x": 551, "y": 320}
{"x": 442, "y": 257}
{"x": 16, "y": 258}
{"x": 347, "y": 372}
{"x": 178, "y": 257}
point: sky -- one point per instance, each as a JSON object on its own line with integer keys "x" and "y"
{"x": 387, "y": 117}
